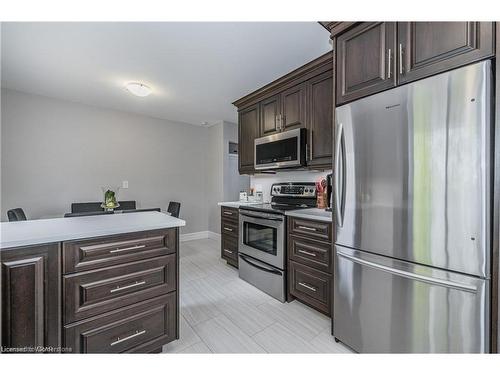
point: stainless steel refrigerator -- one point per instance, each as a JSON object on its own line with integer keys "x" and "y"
{"x": 412, "y": 207}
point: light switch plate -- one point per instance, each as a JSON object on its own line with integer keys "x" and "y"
{"x": 124, "y": 184}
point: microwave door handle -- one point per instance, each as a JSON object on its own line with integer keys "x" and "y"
{"x": 260, "y": 217}
{"x": 265, "y": 269}
{"x": 338, "y": 146}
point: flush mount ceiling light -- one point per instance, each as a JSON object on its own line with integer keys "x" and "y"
{"x": 138, "y": 89}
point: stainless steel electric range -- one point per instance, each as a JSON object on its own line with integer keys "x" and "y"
{"x": 262, "y": 236}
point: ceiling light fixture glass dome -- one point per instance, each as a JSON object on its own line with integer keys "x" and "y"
{"x": 138, "y": 89}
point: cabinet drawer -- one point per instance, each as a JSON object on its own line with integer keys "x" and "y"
{"x": 311, "y": 286}
{"x": 229, "y": 213}
{"x": 229, "y": 248}
{"x": 94, "y": 292}
{"x": 107, "y": 251}
{"x": 312, "y": 253}
{"x": 125, "y": 329}
{"x": 229, "y": 227}
{"x": 313, "y": 229}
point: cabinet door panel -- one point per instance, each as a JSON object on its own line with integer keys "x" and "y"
{"x": 320, "y": 116}
{"x": 432, "y": 47}
{"x": 293, "y": 107}
{"x": 269, "y": 111}
{"x": 31, "y": 296}
{"x": 248, "y": 129}
{"x": 363, "y": 63}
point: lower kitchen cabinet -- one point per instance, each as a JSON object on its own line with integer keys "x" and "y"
{"x": 31, "y": 297}
{"x": 229, "y": 235}
{"x": 141, "y": 327}
{"x": 310, "y": 263}
{"x": 114, "y": 294}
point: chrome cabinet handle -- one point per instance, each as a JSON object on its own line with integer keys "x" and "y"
{"x": 307, "y": 286}
{"x": 400, "y": 58}
{"x": 119, "y": 340}
{"x": 389, "y": 57}
{"x": 311, "y": 147}
{"x": 282, "y": 120}
{"x": 127, "y": 248}
{"x": 228, "y": 213}
{"x": 307, "y": 228}
{"x": 119, "y": 288}
{"x": 228, "y": 251}
{"x": 307, "y": 253}
{"x": 228, "y": 229}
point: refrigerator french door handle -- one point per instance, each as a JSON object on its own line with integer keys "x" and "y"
{"x": 410, "y": 275}
{"x": 338, "y": 188}
{"x": 265, "y": 269}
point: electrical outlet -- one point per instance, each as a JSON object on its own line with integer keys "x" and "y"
{"x": 124, "y": 184}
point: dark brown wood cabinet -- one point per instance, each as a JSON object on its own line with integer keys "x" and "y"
{"x": 319, "y": 92}
{"x": 120, "y": 292}
{"x": 427, "y": 48}
{"x": 293, "y": 108}
{"x": 248, "y": 130}
{"x": 300, "y": 99}
{"x": 365, "y": 60}
{"x": 270, "y": 109}
{"x": 229, "y": 235}
{"x": 376, "y": 56}
{"x": 310, "y": 262}
{"x": 31, "y": 297}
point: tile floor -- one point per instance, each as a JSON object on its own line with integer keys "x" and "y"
{"x": 222, "y": 314}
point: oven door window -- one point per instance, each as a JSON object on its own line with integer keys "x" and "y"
{"x": 260, "y": 237}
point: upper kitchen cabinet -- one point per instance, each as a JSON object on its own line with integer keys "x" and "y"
{"x": 365, "y": 60}
{"x": 301, "y": 99}
{"x": 270, "y": 115}
{"x": 427, "y": 48}
{"x": 293, "y": 108}
{"x": 248, "y": 130}
{"x": 319, "y": 123}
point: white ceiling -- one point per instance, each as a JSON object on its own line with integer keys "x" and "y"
{"x": 195, "y": 69}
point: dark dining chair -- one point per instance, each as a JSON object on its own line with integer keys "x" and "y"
{"x": 16, "y": 214}
{"x": 96, "y": 206}
{"x": 174, "y": 208}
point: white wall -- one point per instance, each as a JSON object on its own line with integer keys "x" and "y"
{"x": 56, "y": 152}
{"x": 266, "y": 180}
{"x": 223, "y": 181}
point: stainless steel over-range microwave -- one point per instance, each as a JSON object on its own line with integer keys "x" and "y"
{"x": 281, "y": 150}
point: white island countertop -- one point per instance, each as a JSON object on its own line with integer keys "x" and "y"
{"x": 32, "y": 232}
{"x": 312, "y": 213}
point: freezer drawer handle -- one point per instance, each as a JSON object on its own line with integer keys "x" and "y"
{"x": 265, "y": 269}
{"x": 409, "y": 275}
{"x": 307, "y": 286}
{"x": 119, "y": 340}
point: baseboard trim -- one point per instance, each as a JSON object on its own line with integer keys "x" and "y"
{"x": 199, "y": 236}
{"x": 213, "y": 235}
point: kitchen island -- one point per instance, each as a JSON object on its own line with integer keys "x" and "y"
{"x": 91, "y": 284}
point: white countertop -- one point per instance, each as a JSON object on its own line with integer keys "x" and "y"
{"x": 31, "y": 232}
{"x": 312, "y": 213}
{"x": 237, "y": 204}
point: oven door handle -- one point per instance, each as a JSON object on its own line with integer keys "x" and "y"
{"x": 260, "y": 217}
{"x": 265, "y": 269}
